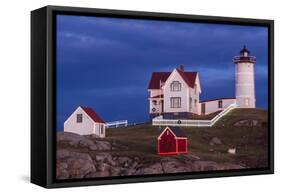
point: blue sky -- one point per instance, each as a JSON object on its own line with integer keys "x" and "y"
{"x": 106, "y": 63}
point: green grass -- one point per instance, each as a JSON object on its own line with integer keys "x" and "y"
{"x": 250, "y": 142}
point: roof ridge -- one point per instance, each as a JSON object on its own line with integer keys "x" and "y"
{"x": 182, "y": 74}
{"x": 188, "y": 76}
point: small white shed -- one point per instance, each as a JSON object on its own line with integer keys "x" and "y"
{"x": 211, "y": 106}
{"x": 85, "y": 121}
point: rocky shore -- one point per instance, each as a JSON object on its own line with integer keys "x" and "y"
{"x": 88, "y": 156}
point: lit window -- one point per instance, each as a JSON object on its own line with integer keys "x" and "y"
{"x": 79, "y": 118}
{"x": 175, "y": 102}
{"x": 175, "y": 86}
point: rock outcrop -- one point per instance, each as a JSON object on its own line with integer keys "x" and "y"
{"x": 88, "y": 156}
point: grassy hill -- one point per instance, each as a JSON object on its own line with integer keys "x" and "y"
{"x": 244, "y": 129}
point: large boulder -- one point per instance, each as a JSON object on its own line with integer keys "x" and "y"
{"x": 103, "y": 166}
{"x": 103, "y": 145}
{"x": 73, "y": 164}
{"x": 210, "y": 166}
{"x": 229, "y": 166}
{"x": 174, "y": 166}
{"x": 115, "y": 171}
{"x": 79, "y": 141}
{"x": 86, "y": 143}
{"x": 124, "y": 161}
{"x": 68, "y": 138}
{"x": 151, "y": 169}
{"x": 204, "y": 166}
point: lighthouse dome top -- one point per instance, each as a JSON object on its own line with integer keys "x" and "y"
{"x": 244, "y": 51}
{"x": 244, "y": 56}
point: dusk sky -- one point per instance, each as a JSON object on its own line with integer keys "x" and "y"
{"x": 106, "y": 63}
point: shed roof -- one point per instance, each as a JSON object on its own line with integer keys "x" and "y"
{"x": 176, "y": 130}
{"x": 92, "y": 114}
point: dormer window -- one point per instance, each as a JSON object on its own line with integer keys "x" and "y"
{"x": 175, "y": 86}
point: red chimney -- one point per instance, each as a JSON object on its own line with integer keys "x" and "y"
{"x": 181, "y": 67}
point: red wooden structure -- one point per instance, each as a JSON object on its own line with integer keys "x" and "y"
{"x": 172, "y": 141}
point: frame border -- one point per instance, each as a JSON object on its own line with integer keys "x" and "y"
{"x": 48, "y": 176}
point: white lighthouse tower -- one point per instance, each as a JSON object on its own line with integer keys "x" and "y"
{"x": 244, "y": 79}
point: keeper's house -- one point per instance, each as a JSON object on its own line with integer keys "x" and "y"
{"x": 85, "y": 121}
{"x": 176, "y": 95}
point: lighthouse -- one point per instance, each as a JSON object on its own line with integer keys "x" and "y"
{"x": 244, "y": 79}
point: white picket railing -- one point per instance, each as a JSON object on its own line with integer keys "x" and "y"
{"x": 117, "y": 124}
{"x": 192, "y": 123}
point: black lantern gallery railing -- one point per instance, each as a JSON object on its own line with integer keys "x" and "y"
{"x": 238, "y": 59}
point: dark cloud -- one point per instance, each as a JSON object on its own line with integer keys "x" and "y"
{"x": 106, "y": 63}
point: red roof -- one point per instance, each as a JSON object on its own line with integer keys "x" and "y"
{"x": 188, "y": 77}
{"x": 176, "y": 130}
{"x": 92, "y": 114}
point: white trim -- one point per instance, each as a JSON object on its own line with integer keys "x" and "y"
{"x": 117, "y": 123}
{"x": 164, "y": 131}
{"x": 193, "y": 123}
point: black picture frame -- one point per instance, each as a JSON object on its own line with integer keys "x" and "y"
{"x": 43, "y": 101}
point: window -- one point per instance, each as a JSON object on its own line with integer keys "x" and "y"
{"x": 190, "y": 103}
{"x": 175, "y": 102}
{"x": 79, "y": 118}
{"x": 220, "y": 103}
{"x": 195, "y": 89}
{"x": 154, "y": 102}
{"x": 175, "y": 86}
{"x": 195, "y": 103}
